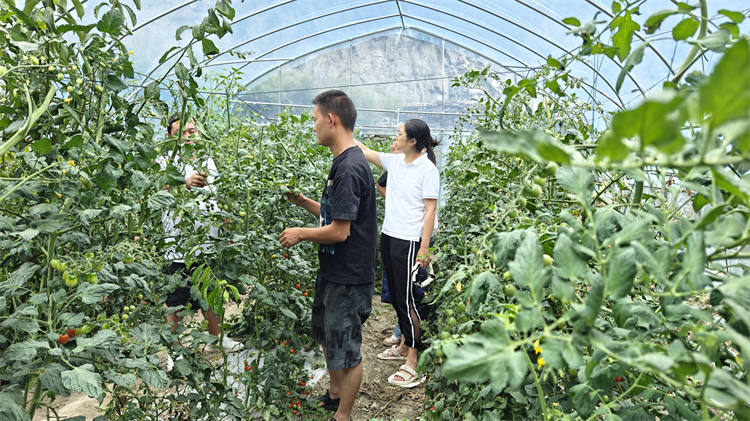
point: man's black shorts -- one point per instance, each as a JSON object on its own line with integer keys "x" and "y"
{"x": 181, "y": 295}
{"x": 338, "y": 313}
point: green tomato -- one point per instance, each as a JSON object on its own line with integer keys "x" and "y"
{"x": 125, "y": 317}
{"x": 92, "y": 278}
{"x": 444, "y": 335}
{"x": 242, "y": 214}
{"x": 536, "y": 190}
{"x": 461, "y": 307}
{"x": 507, "y": 276}
{"x": 128, "y": 258}
{"x": 451, "y": 321}
{"x": 3, "y": 71}
{"x": 89, "y": 255}
{"x": 522, "y": 202}
{"x": 540, "y": 181}
{"x": 70, "y": 279}
{"x": 79, "y": 81}
{"x": 105, "y": 325}
{"x": 548, "y": 260}
{"x": 58, "y": 265}
{"x": 550, "y": 169}
{"x": 86, "y": 329}
{"x": 100, "y": 89}
{"x": 513, "y": 213}
{"x": 70, "y": 89}
{"x": 60, "y": 76}
{"x": 509, "y": 290}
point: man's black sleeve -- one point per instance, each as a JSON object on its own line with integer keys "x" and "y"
{"x": 345, "y": 196}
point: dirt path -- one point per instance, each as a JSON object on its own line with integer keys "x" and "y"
{"x": 377, "y": 399}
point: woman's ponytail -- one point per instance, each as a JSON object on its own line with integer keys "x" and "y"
{"x": 419, "y": 130}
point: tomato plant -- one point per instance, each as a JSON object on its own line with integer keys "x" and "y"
{"x": 609, "y": 283}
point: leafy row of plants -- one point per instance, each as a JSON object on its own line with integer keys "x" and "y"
{"x": 82, "y": 195}
{"x": 602, "y": 275}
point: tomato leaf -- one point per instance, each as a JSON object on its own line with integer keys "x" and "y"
{"x": 578, "y": 181}
{"x": 51, "y": 378}
{"x": 685, "y": 29}
{"x": 24, "y": 351}
{"x": 93, "y": 293}
{"x": 568, "y": 264}
{"x": 623, "y": 38}
{"x": 209, "y": 48}
{"x": 161, "y": 200}
{"x": 657, "y": 121}
{"x": 633, "y": 60}
{"x": 735, "y": 16}
{"x": 730, "y": 75}
{"x": 621, "y": 270}
{"x": 12, "y": 405}
{"x": 85, "y": 380}
{"x": 533, "y": 144}
{"x": 654, "y": 21}
{"x": 528, "y": 268}
{"x": 111, "y": 22}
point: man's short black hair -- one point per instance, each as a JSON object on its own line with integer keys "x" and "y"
{"x": 338, "y": 103}
{"x": 174, "y": 117}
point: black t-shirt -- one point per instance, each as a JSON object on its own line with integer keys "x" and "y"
{"x": 383, "y": 180}
{"x": 349, "y": 195}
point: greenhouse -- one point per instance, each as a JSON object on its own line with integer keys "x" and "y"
{"x": 482, "y": 210}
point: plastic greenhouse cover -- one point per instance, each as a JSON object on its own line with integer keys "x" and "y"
{"x": 512, "y": 36}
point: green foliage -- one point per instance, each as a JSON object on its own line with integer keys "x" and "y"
{"x": 646, "y": 222}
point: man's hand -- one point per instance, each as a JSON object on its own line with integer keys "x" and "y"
{"x": 290, "y": 237}
{"x": 423, "y": 257}
{"x": 296, "y": 198}
{"x": 196, "y": 180}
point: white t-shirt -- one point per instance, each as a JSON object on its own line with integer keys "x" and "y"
{"x": 408, "y": 186}
{"x": 169, "y": 221}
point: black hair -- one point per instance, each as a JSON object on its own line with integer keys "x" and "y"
{"x": 338, "y": 103}
{"x": 174, "y": 117}
{"x": 419, "y": 130}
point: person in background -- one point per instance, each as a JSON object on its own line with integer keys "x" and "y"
{"x": 385, "y": 296}
{"x": 194, "y": 180}
{"x": 410, "y": 210}
{"x": 347, "y": 237}
{"x": 396, "y": 339}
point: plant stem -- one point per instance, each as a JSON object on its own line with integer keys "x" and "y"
{"x": 538, "y": 384}
{"x": 35, "y": 398}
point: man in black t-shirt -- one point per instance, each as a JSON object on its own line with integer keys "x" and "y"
{"x": 346, "y": 236}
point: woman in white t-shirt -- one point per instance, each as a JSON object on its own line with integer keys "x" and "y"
{"x": 410, "y": 212}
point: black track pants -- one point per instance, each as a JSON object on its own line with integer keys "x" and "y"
{"x": 398, "y": 258}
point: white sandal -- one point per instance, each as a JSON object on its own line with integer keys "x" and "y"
{"x": 391, "y": 354}
{"x": 407, "y": 381}
{"x": 391, "y": 340}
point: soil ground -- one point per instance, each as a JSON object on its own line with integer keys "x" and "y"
{"x": 376, "y": 400}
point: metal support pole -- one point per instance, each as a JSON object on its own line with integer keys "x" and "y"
{"x": 442, "y": 85}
